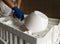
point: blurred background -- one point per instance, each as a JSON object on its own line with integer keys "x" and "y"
{"x": 50, "y": 7}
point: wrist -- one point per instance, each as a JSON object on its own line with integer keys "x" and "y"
{"x": 18, "y": 7}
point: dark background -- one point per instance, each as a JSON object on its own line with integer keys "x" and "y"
{"x": 50, "y": 7}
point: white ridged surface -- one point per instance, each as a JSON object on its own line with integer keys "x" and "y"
{"x": 42, "y": 38}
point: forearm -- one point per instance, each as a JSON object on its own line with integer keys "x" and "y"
{"x": 9, "y": 3}
{"x": 19, "y": 3}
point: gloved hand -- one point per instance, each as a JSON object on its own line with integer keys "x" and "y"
{"x": 18, "y": 13}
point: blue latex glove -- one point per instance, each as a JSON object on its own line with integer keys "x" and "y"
{"x": 18, "y": 13}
